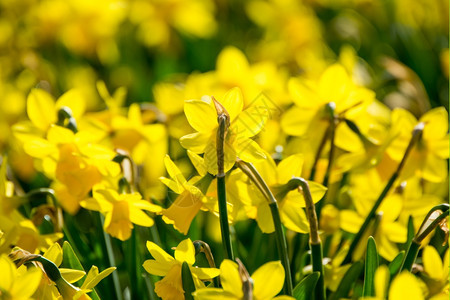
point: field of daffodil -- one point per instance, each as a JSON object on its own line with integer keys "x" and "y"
{"x": 224, "y": 149}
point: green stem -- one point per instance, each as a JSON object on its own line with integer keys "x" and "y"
{"x": 431, "y": 221}
{"x": 120, "y": 158}
{"x": 410, "y": 256}
{"x": 317, "y": 264}
{"x": 221, "y": 191}
{"x": 111, "y": 259}
{"x": 59, "y": 222}
{"x": 254, "y": 175}
{"x": 417, "y": 132}
{"x": 282, "y": 247}
{"x": 314, "y": 238}
{"x": 201, "y": 246}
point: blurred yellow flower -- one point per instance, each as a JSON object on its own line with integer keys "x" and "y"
{"x": 155, "y": 19}
{"x": 17, "y": 284}
{"x": 428, "y": 159}
{"x": 189, "y": 202}
{"x": 121, "y": 211}
{"x": 202, "y": 116}
{"x": 292, "y": 203}
{"x": 267, "y": 282}
{"x": 170, "y": 287}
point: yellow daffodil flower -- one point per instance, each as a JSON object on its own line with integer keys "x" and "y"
{"x": 335, "y": 88}
{"x": 202, "y": 116}
{"x": 406, "y": 286}
{"x": 267, "y": 282}
{"x": 76, "y": 163}
{"x": 147, "y": 144}
{"x": 189, "y": 202}
{"x": 389, "y": 231}
{"x": 428, "y": 158}
{"x": 17, "y": 283}
{"x": 170, "y": 287}
{"x": 436, "y": 270}
{"x": 194, "y": 18}
{"x": 291, "y": 204}
{"x": 121, "y": 211}
{"x": 42, "y": 110}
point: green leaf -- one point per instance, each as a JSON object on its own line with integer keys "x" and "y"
{"x": 348, "y": 280}
{"x": 304, "y": 290}
{"x": 396, "y": 263}
{"x": 188, "y": 282}
{"x": 372, "y": 261}
{"x": 70, "y": 260}
{"x": 410, "y": 235}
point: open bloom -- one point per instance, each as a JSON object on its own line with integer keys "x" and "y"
{"x": 202, "y": 116}
{"x": 188, "y": 203}
{"x": 267, "y": 282}
{"x": 428, "y": 159}
{"x": 121, "y": 211}
{"x": 17, "y": 283}
{"x": 171, "y": 287}
{"x": 291, "y": 204}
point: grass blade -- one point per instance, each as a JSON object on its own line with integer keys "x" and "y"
{"x": 305, "y": 289}
{"x": 372, "y": 262}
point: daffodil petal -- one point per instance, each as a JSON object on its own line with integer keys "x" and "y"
{"x": 268, "y": 280}
{"x": 350, "y": 221}
{"x": 264, "y": 218}
{"x": 405, "y": 286}
{"x": 41, "y": 109}
{"x": 196, "y": 142}
{"x": 214, "y": 294}
{"x": 248, "y": 150}
{"x": 436, "y": 124}
{"x": 201, "y": 115}
{"x": 333, "y": 84}
{"x": 289, "y": 167}
{"x": 294, "y": 218}
{"x": 140, "y": 218}
{"x": 381, "y": 281}
{"x": 54, "y": 253}
{"x": 8, "y": 273}
{"x": 70, "y": 275}
{"x": 158, "y": 268}
{"x": 295, "y": 121}
{"x": 158, "y": 253}
{"x": 174, "y": 171}
{"x": 39, "y": 148}
{"x": 73, "y": 99}
{"x": 205, "y": 273}
{"x": 94, "y": 277}
{"x": 233, "y": 101}
{"x": 27, "y": 284}
{"x": 303, "y": 93}
{"x": 432, "y": 263}
{"x": 230, "y": 278}
{"x": 185, "y": 252}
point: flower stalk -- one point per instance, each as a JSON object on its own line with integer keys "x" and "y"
{"x": 224, "y": 123}
{"x": 314, "y": 238}
{"x": 256, "y": 178}
{"x": 202, "y": 247}
{"x": 417, "y": 133}
{"x": 433, "y": 219}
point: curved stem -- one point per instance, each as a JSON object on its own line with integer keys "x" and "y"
{"x": 417, "y": 133}
{"x": 314, "y": 238}
{"x": 221, "y": 191}
{"x": 201, "y": 246}
{"x": 431, "y": 221}
{"x": 254, "y": 175}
